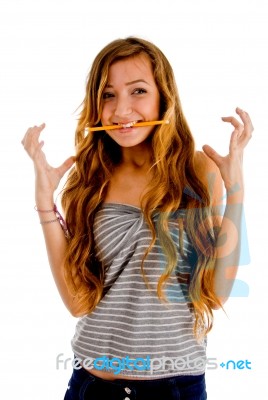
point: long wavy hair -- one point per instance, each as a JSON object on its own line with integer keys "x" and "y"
{"x": 175, "y": 184}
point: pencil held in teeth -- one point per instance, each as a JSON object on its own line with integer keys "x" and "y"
{"x": 128, "y": 125}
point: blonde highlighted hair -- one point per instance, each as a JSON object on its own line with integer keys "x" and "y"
{"x": 175, "y": 185}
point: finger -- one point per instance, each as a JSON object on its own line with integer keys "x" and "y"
{"x": 31, "y": 138}
{"x": 211, "y": 153}
{"x": 34, "y": 131}
{"x": 233, "y": 145}
{"x": 236, "y": 124}
{"x": 41, "y": 127}
{"x": 63, "y": 168}
{"x": 248, "y": 127}
{"x": 245, "y": 118}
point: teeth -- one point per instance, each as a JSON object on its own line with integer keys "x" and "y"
{"x": 129, "y": 124}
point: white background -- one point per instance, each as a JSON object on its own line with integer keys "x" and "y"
{"x": 219, "y": 54}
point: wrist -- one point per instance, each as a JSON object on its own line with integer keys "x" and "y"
{"x": 44, "y": 201}
{"x": 235, "y": 193}
{"x": 44, "y": 205}
{"x": 47, "y": 221}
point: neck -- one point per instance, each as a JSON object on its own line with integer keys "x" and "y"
{"x": 138, "y": 157}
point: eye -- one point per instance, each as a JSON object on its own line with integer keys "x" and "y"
{"x": 139, "y": 91}
{"x": 107, "y": 95}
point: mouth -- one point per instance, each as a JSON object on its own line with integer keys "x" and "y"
{"x": 124, "y": 125}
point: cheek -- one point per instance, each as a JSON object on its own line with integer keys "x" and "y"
{"x": 156, "y": 105}
{"x": 156, "y": 110}
{"x": 150, "y": 108}
{"x": 105, "y": 112}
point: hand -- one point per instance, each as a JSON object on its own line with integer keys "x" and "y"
{"x": 47, "y": 177}
{"x": 231, "y": 166}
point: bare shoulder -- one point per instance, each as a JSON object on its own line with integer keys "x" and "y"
{"x": 210, "y": 176}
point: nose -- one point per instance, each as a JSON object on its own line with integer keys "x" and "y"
{"x": 123, "y": 108}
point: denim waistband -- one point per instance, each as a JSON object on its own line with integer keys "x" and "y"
{"x": 83, "y": 385}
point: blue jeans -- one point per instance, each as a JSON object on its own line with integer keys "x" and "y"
{"x": 85, "y": 386}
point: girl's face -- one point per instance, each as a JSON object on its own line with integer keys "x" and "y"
{"x": 131, "y": 95}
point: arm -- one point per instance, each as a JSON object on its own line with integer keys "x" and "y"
{"x": 47, "y": 180}
{"x": 230, "y": 169}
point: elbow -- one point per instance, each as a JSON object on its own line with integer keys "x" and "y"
{"x": 75, "y": 310}
{"x": 219, "y": 304}
{"x": 216, "y": 307}
{"x": 76, "y": 313}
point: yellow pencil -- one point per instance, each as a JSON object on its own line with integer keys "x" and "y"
{"x": 111, "y": 127}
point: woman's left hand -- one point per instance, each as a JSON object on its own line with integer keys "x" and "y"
{"x": 231, "y": 166}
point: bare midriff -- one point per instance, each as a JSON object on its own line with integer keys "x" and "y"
{"x": 110, "y": 376}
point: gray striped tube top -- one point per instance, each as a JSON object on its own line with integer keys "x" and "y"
{"x": 131, "y": 331}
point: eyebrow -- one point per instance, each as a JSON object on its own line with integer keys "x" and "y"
{"x": 130, "y": 83}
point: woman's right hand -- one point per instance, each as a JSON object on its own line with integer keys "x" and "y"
{"x": 47, "y": 177}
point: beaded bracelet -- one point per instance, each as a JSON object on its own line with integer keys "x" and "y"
{"x": 48, "y": 222}
{"x": 59, "y": 219}
{"x": 45, "y": 211}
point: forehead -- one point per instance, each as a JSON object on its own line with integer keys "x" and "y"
{"x": 131, "y": 68}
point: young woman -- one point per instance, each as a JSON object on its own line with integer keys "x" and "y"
{"x": 141, "y": 258}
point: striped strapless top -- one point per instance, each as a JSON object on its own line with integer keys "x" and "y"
{"x": 131, "y": 331}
